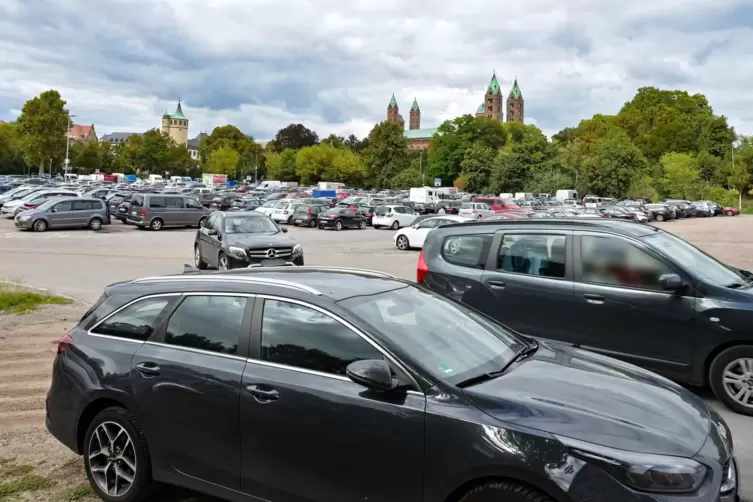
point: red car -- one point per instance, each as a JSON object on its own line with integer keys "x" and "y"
{"x": 730, "y": 211}
{"x": 496, "y": 203}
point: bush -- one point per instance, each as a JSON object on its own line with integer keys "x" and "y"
{"x": 721, "y": 195}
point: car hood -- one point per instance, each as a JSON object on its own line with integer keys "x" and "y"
{"x": 260, "y": 240}
{"x": 597, "y": 399}
{"x": 15, "y": 203}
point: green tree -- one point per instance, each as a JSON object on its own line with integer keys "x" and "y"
{"x": 222, "y": 161}
{"x": 409, "y": 178}
{"x": 721, "y": 195}
{"x": 708, "y": 166}
{"x": 86, "y": 156}
{"x": 250, "y": 156}
{"x": 477, "y": 166}
{"x": 11, "y": 156}
{"x": 612, "y": 165}
{"x": 386, "y": 154}
{"x": 152, "y": 153}
{"x": 334, "y": 140}
{"x": 739, "y": 179}
{"x": 324, "y": 162}
{"x": 43, "y": 128}
{"x": 295, "y": 136}
{"x": 510, "y": 173}
{"x": 681, "y": 176}
{"x": 643, "y": 187}
{"x": 281, "y": 166}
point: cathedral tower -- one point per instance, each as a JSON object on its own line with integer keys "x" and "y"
{"x": 415, "y": 116}
{"x": 393, "y": 113}
{"x": 515, "y": 104}
{"x": 492, "y": 107}
{"x": 176, "y": 125}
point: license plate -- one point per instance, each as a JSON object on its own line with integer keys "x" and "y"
{"x": 298, "y": 221}
{"x": 272, "y": 263}
{"x": 133, "y": 213}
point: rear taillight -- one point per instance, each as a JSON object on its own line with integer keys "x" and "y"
{"x": 422, "y": 269}
{"x": 308, "y": 211}
{"x": 64, "y": 343}
{"x": 143, "y": 212}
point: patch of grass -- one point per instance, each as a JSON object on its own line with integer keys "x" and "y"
{"x": 11, "y": 470}
{"x": 19, "y": 301}
{"x": 747, "y": 206}
{"x": 26, "y": 483}
{"x": 78, "y": 492}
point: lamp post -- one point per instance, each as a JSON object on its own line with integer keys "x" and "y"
{"x": 67, "y": 146}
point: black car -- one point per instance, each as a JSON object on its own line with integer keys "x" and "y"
{"x": 206, "y": 199}
{"x": 315, "y": 384}
{"x": 659, "y": 212}
{"x": 367, "y": 212}
{"x": 340, "y": 218}
{"x": 239, "y": 239}
{"x": 123, "y": 208}
{"x": 224, "y": 202}
{"x": 425, "y": 208}
{"x": 625, "y": 290}
{"x": 245, "y": 204}
{"x": 449, "y": 206}
{"x": 306, "y": 214}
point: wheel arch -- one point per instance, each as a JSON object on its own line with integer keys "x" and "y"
{"x": 739, "y": 340}
{"x": 545, "y": 488}
{"x": 93, "y": 408}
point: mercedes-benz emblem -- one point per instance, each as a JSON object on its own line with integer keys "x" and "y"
{"x": 271, "y": 253}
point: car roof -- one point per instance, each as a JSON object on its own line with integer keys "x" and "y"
{"x": 335, "y": 283}
{"x": 615, "y": 226}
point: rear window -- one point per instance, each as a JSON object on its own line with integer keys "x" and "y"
{"x": 156, "y": 202}
{"x": 487, "y": 201}
{"x": 137, "y": 201}
{"x": 335, "y": 210}
{"x": 467, "y": 250}
{"x": 467, "y": 206}
{"x": 301, "y": 209}
{"x": 381, "y": 211}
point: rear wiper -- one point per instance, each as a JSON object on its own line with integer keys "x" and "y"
{"x": 522, "y": 354}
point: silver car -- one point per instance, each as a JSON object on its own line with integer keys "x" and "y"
{"x": 69, "y": 212}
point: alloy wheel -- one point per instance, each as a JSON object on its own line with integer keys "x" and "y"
{"x": 402, "y": 242}
{"x": 95, "y": 224}
{"x": 730, "y": 213}
{"x": 339, "y": 225}
{"x": 197, "y": 256}
{"x": 112, "y": 459}
{"x": 738, "y": 381}
{"x": 156, "y": 224}
{"x": 40, "y": 226}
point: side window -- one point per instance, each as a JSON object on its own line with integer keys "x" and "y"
{"x": 156, "y": 202}
{"x": 192, "y": 203}
{"x": 174, "y": 202}
{"x": 429, "y": 224}
{"x": 296, "y": 335}
{"x": 348, "y": 213}
{"x": 467, "y": 250}
{"x": 63, "y": 207}
{"x": 209, "y": 322}
{"x": 616, "y": 262}
{"x": 542, "y": 255}
{"x": 213, "y": 222}
{"x": 81, "y": 205}
{"x": 135, "y": 322}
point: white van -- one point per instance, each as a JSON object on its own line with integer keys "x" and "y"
{"x": 563, "y": 195}
{"x": 155, "y": 178}
{"x": 591, "y": 201}
{"x": 523, "y": 195}
{"x": 269, "y": 185}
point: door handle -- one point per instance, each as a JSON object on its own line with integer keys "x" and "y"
{"x": 148, "y": 368}
{"x": 497, "y": 284}
{"x": 263, "y": 395}
{"x": 594, "y": 299}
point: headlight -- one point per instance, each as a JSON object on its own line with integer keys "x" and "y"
{"x": 297, "y": 249}
{"x": 642, "y": 471}
{"x": 236, "y": 251}
{"x": 22, "y": 218}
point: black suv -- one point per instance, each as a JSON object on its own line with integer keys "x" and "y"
{"x": 241, "y": 238}
{"x": 305, "y": 383}
{"x": 622, "y": 289}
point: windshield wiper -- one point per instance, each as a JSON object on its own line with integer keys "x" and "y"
{"x": 525, "y": 352}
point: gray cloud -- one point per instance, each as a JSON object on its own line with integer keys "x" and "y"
{"x": 333, "y": 64}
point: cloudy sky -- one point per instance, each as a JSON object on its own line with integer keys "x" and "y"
{"x": 333, "y": 64}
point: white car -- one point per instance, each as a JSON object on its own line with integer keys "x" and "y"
{"x": 413, "y": 237}
{"x": 283, "y": 212}
{"x": 268, "y": 207}
{"x": 14, "y": 207}
{"x": 475, "y": 210}
{"x": 392, "y": 216}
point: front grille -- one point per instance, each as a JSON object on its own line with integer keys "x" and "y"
{"x": 260, "y": 254}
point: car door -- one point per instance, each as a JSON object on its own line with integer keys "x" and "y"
{"x": 61, "y": 215}
{"x": 187, "y": 382}
{"x": 418, "y": 233}
{"x": 80, "y": 214}
{"x": 175, "y": 214}
{"x": 622, "y": 310}
{"x": 529, "y": 282}
{"x": 192, "y": 211}
{"x": 309, "y": 432}
{"x": 348, "y": 218}
{"x": 208, "y": 241}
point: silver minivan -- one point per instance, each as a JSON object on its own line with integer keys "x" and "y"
{"x": 68, "y": 212}
{"x": 156, "y": 210}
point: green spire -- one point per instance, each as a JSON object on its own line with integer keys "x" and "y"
{"x": 178, "y": 112}
{"x": 480, "y": 108}
{"x": 515, "y": 91}
{"x": 415, "y": 107}
{"x": 393, "y": 101}
{"x": 494, "y": 85}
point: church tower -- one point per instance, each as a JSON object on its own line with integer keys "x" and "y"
{"x": 492, "y": 107}
{"x": 515, "y": 104}
{"x": 176, "y": 125}
{"x": 415, "y": 116}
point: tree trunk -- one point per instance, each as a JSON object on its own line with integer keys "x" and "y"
{"x": 41, "y": 168}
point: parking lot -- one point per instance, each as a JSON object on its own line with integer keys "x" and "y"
{"x": 80, "y": 263}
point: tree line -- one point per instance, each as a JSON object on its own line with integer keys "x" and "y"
{"x": 662, "y": 143}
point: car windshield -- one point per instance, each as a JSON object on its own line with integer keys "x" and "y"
{"x": 249, "y": 224}
{"x": 450, "y": 341}
{"x": 695, "y": 260}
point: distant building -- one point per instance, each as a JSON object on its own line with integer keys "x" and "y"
{"x": 193, "y": 145}
{"x": 176, "y": 125}
{"x": 117, "y": 138}
{"x": 2, "y": 122}
{"x": 82, "y": 133}
{"x": 492, "y": 108}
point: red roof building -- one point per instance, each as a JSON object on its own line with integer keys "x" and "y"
{"x": 82, "y": 133}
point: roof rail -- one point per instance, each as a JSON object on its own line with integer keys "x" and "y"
{"x": 324, "y": 268}
{"x": 231, "y": 278}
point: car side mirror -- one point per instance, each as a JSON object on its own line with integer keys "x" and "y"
{"x": 747, "y": 273}
{"x": 671, "y": 282}
{"x": 372, "y": 373}
{"x": 284, "y": 230}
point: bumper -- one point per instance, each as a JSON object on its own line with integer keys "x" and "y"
{"x": 137, "y": 220}
{"x": 326, "y": 223}
{"x": 62, "y": 401}
{"x": 279, "y": 218}
{"x": 237, "y": 262}
{"x": 383, "y": 222}
{"x": 24, "y": 225}
{"x": 303, "y": 220}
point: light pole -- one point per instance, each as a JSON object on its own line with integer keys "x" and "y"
{"x": 67, "y": 145}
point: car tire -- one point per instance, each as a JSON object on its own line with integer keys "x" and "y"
{"x": 730, "y": 213}
{"x": 504, "y": 490}
{"x": 95, "y": 224}
{"x": 732, "y": 360}
{"x": 659, "y": 217}
{"x": 402, "y": 243}
{"x": 377, "y": 227}
{"x": 198, "y": 260}
{"x": 156, "y": 224}
{"x": 362, "y": 225}
{"x": 312, "y": 223}
{"x": 202, "y": 221}
{"x": 338, "y": 225}
{"x": 395, "y": 225}
{"x": 132, "y": 458}
{"x": 40, "y": 226}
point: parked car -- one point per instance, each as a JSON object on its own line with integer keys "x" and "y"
{"x": 413, "y": 237}
{"x": 449, "y": 206}
{"x": 629, "y": 291}
{"x": 224, "y": 202}
{"x": 268, "y": 207}
{"x": 497, "y": 203}
{"x": 730, "y": 211}
{"x": 340, "y": 218}
{"x": 306, "y": 214}
{"x": 65, "y": 212}
{"x": 239, "y": 239}
{"x": 393, "y": 216}
{"x": 475, "y": 210}
{"x": 283, "y": 212}
{"x": 268, "y": 384}
{"x": 156, "y": 211}
{"x": 14, "y": 206}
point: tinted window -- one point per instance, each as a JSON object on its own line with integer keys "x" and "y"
{"x": 191, "y": 202}
{"x": 467, "y": 250}
{"x": 542, "y": 255}
{"x": 381, "y": 211}
{"x": 210, "y": 323}
{"x": 156, "y": 202}
{"x": 617, "y": 262}
{"x": 300, "y": 336}
{"x": 213, "y": 222}
{"x": 175, "y": 202}
{"x": 63, "y": 206}
{"x": 137, "y": 201}
{"x": 135, "y": 322}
